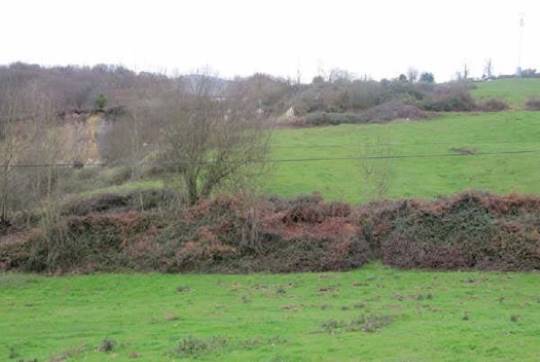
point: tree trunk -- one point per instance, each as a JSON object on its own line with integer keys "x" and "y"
{"x": 193, "y": 194}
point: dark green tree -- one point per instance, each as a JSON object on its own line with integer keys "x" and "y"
{"x": 427, "y": 77}
{"x": 101, "y": 102}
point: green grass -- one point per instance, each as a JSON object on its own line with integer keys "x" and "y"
{"x": 425, "y": 177}
{"x": 515, "y": 91}
{"x": 427, "y": 316}
{"x": 411, "y": 177}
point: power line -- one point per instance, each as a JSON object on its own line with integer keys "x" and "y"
{"x": 290, "y": 160}
{"x": 457, "y": 143}
{"x": 382, "y": 157}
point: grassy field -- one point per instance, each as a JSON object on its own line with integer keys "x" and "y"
{"x": 375, "y": 313}
{"x": 515, "y": 91}
{"x": 417, "y": 176}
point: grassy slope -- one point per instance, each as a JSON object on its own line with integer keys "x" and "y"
{"x": 515, "y": 91}
{"x": 274, "y": 317}
{"x": 424, "y": 177}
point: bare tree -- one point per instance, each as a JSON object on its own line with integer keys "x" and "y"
{"x": 412, "y": 74}
{"x": 463, "y": 75}
{"x": 340, "y": 75}
{"x": 210, "y": 139}
{"x": 12, "y": 114}
{"x": 465, "y": 71}
{"x": 488, "y": 69}
{"x": 24, "y": 139}
{"x": 8, "y": 150}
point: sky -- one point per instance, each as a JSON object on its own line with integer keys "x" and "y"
{"x": 377, "y": 38}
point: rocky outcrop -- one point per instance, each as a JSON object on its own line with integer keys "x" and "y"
{"x": 83, "y": 136}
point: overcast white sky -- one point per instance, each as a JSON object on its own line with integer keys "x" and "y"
{"x": 380, "y": 38}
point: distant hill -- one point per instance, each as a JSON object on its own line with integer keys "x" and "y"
{"x": 515, "y": 91}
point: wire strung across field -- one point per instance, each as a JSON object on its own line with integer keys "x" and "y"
{"x": 375, "y": 144}
{"x": 290, "y": 160}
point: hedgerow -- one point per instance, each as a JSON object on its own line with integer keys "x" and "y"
{"x": 234, "y": 234}
{"x": 470, "y": 230}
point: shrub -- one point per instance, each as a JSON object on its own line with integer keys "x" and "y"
{"x": 87, "y": 173}
{"x": 194, "y": 347}
{"x": 533, "y": 104}
{"x": 93, "y": 242}
{"x": 117, "y": 175}
{"x": 225, "y": 234}
{"x": 450, "y": 99}
{"x": 427, "y": 77}
{"x": 101, "y": 102}
{"x": 325, "y": 118}
{"x": 107, "y": 345}
{"x": 393, "y": 110}
{"x": 493, "y": 105}
{"x": 471, "y": 230}
{"x": 385, "y": 112}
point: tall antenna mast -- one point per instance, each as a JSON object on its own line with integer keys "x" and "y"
{"x": 520, "y": 45}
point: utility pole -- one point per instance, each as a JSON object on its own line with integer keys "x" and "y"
{"x": 520, "y": 45}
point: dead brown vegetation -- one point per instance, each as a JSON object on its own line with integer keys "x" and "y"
{"x": 234, "y": 234}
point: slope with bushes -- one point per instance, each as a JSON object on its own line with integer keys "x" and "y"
{"x": 515, "y": 91}
{"x": 235, "y": 234}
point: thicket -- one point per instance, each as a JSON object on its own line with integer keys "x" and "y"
{"x": 533, "y": 104}
{"x": 382, "y": 113}
{"x": 398, "y": 100}
{"x": 236, "y": 234}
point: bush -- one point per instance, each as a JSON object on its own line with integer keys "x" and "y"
{"x": 493, "y": 105}
{"x": 471, "y": 230}
{"x": 450, "y": 99}
{"x": 107, "y": 345}
{"x": 427, "y": 77}
{"x": 533, "y": 104}
{"x": 86, "y": 243}
{"x": 385, "y": 112}
{"x": 101, "y": 102}
{"x": 194, "y": 347}
{"x": 325, "y": 118}
{"x": 228, "y": 234}
{"x": 87, "y": 173}
{"x": 117, "y": 175}
{"x": 393, "y": 110}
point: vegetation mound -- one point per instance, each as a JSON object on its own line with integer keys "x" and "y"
{"x": 470, "y": 230}
{"x": 384, "y": 112}
{"x": 236, "y": 234}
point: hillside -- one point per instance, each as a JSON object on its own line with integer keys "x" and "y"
{"x": 432, "y": 173}
{"x": 495, "y": 152}
{"x": 515, "y": 91}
